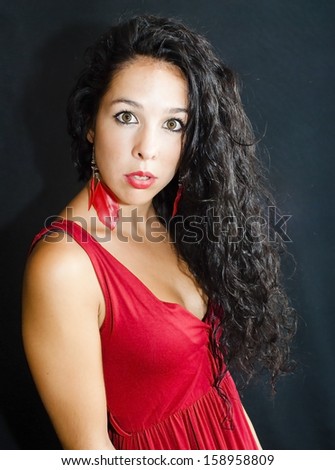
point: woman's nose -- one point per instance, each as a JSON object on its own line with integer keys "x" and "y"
{"x": 146, "y": 144}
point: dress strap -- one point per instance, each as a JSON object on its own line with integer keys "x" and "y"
{"x": 80, "y": 235}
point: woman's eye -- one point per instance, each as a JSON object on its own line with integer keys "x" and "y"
{"x": 174, "y": 125}
{"x": 125, "y": 117}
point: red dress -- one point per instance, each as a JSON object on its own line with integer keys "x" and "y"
{"x": 158, "y": 368}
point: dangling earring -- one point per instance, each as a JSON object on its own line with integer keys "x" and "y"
{"x": 102, "y": 198}
{"x": 95, "y": 179}
{"x": 177, "y": 198}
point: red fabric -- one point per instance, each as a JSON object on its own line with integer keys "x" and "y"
{"x": 158, "y": 368}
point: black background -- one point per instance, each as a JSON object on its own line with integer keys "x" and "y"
{"x": 283, "y": 51}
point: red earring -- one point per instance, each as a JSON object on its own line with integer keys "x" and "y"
{"x": 102, "y": 198}
{"x": 177, "y": 199}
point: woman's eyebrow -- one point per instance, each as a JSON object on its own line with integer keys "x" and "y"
{"x": 127, "y": 101}
{"x": 138, "y": 105}
{"x": 177, "y": 110}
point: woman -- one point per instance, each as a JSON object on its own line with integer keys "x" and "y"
{"x": 154, "y": 284}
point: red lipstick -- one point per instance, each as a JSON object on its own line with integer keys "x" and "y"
{"x": 141, "y": 179}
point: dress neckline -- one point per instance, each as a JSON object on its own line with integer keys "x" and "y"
{"x": 129, "y": 272}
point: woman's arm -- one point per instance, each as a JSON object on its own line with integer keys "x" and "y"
{"x": 252, "y": 429}
{"x": 61, "y": 304}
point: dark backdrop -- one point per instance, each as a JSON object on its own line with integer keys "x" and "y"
{"x": 283, "y": 51}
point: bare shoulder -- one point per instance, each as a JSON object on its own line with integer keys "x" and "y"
{"x": 57, "y": 255}
{"x": 59, "y": 273}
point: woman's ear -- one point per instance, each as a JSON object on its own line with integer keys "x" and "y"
{"x": 90, "y": 136}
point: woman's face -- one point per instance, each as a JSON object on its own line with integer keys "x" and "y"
{"x": 138, "y": 131}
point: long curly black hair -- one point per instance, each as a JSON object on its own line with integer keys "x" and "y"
{"x": 225, "y": 236}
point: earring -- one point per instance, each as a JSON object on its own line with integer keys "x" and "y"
{"x": 177, "y": 198}
{"x": 102, "y": 198}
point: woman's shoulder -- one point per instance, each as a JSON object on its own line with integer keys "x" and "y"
{"x": 56, "y": 259}
{"x": 59, "y": 280}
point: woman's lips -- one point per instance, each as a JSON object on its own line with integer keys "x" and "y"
{"x": 141, "y": 179}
